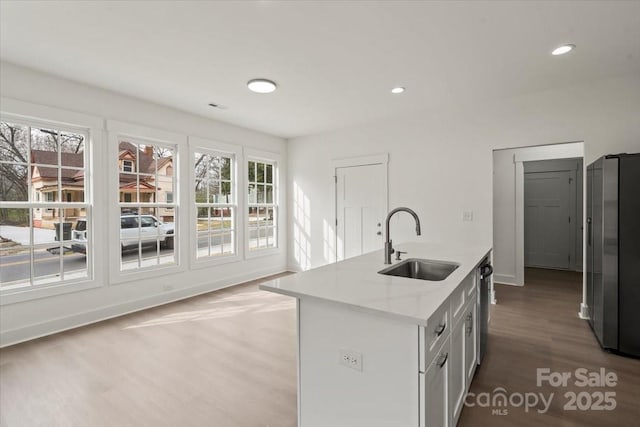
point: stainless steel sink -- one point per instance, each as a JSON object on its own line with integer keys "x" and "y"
{"x": 423, "y": 269}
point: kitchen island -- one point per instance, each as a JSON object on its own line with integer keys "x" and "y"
{"x": 380, "y": 350}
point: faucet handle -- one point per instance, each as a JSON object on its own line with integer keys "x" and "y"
{"x": 398, "y": 253}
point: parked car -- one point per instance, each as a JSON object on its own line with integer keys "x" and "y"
{"x": 147, "y": 231}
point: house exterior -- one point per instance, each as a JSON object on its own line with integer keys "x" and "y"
{"x": 142, "y": 176}
{"x": 133, "y": 176}
{"x": 44, "y": 185}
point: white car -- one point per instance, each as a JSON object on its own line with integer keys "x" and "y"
{"x": 147, "y": 232}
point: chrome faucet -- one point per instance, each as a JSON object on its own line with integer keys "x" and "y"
{"x": 388, "y": 247}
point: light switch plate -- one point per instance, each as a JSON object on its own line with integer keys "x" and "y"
{"x": 351, "y": 359}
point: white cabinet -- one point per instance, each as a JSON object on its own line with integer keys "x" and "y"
{"x": 450, "y": 356}
{"x": 463, "y": 358}
{"x": 457, "y": 374}
{"x": 382, "y": 390}
{"x": 435, "y": 386}
{"x": 470, "y": 342}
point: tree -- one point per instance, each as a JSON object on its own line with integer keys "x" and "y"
{"x": 14, "y": 150}
{"x": 14, "y": 157}
{"x": 209, "y": 171}
{"x": 51, "y": 140}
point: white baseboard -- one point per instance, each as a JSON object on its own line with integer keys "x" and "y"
{"x": 505, "y": 279}
{"x": 60, "y": 324}
{"x": 584, "y": 311}
{"x": 294, "y": 268}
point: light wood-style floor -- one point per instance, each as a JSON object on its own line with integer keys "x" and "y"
{"x": 228, "y": 359}
{"x": 224, "y": 359}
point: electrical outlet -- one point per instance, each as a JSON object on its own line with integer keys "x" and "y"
{"x": 467, "y": 216}
{"x": 351, "y": 359}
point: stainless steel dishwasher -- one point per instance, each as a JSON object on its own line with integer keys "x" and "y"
{"x": 484, "y": 276}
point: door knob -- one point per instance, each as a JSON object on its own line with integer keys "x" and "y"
{"x": 379, "y": 233}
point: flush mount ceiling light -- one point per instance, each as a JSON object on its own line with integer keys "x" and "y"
{"x": 561, "y": 50}
{"x": 398, "y": 89}
{"x": 261, "y": 86}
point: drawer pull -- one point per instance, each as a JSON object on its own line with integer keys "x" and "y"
{"x": 440, "y": 329}
{"x": 444, "y": 360}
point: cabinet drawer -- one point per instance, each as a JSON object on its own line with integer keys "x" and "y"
{"x": 434, "y": 334}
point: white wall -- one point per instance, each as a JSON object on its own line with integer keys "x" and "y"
{"x": 504, "y": 217}
{"x": 440, "y": 162}
{"x": 29, "y": 319}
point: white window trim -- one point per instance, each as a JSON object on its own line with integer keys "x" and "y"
{"x": 117, "y": 130}
{"x": 197, "y": 144}
{"x": 268, "y": 156}
{"x": 55, "y": 117}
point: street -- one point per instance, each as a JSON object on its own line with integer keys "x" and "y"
{"x": 14, "y": 268}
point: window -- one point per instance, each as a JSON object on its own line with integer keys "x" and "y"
{"x": 262, "y": 204}
{"x": 216, "y": 204}
{"x": 147, "y": 208}
{"x": 127, "y": 166}
{"x": 44, "y": 184}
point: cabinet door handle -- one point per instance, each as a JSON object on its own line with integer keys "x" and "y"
{"x": 444, "y": 360}
{"x": 469, "y": 324}
{"x": 440, "y": 329}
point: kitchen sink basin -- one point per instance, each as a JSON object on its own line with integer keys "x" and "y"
{"x": 423, "y": 269}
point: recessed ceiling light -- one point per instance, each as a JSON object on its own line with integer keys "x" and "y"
{"x": 398, "y": 89}
{"x": 561, "y": 50}
{"x": 261, "y": 85}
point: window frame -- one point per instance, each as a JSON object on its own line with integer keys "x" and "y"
{"x": 212, "y": 147}
{"x": 116, "y": 131}
{"x": 92, "y": 128}
{"x": 269, "y": 157}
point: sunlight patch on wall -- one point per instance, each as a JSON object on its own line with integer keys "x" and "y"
{"x": 301, "y": 228}
{"x": 329, "y": 242}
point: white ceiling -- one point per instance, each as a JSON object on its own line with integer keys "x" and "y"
{"x": 335, "y": 62}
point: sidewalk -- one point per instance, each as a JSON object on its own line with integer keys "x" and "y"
{"x": 21, "y": 234}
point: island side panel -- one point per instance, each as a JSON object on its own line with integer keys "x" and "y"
{"x": 385, "y": 392}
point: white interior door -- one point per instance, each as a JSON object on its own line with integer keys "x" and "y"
{"x": 361, "y": 207}
{"x": 547, "y": 227}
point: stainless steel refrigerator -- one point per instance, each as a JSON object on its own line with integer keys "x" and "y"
{"x": 613, "y": 252}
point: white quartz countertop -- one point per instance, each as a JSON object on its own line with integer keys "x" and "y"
{"x": 356, "y": 284}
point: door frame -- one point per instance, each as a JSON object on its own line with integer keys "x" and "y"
{"x": 528, "y": 154}
{"x": 348, "y": 162}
